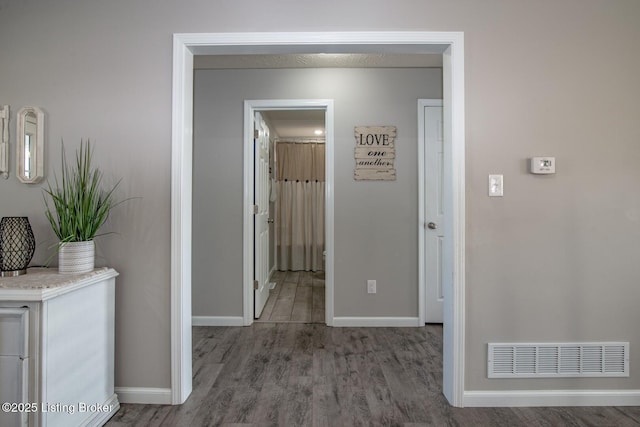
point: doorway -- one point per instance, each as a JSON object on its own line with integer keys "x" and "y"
{"x": 185, "y": 46}
{"x": 322, "y": 251}
{"x": 431, "y": 207}
{"x": 293, "y": 290}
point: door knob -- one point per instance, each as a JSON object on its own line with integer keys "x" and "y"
{"x": 432, "y": 225}
{"x": 270, "y": 220}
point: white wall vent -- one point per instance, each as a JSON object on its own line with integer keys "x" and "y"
{"x": 536, "y": 360}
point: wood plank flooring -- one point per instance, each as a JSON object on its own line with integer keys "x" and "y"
{"x": 297, "y": 297}
{"x": 295, "y": 374}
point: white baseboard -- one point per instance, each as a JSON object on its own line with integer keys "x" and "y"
{"x": 515, "y": 398}
{"x": 376, "y": 322}
{"x": 144, "y": 395}
{"x": 217, "y": 321}
{"x": 100, "y": 418}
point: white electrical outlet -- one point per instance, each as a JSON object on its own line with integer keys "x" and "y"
{"x": 371, "y": 286}
{"x": 496, "y": 185}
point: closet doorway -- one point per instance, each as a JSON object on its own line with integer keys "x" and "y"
{"x": 291, "y": 203}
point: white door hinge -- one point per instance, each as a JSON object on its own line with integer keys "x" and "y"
{"x": 256, "y": 134}
{"x": 256, "y": 285}
{"x": 255, "y": 209}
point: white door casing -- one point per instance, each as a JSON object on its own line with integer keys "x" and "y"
{"x": 273, "y": 245}
{"x": 449, "y": 44}
{"x": 261, "y": 206}
{"x": 433, "y": 227}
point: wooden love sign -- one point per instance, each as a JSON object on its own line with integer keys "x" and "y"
{"x": 375, "y": 153}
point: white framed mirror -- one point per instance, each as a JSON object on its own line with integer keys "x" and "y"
{"x": 30, "y": 145}
{"x": 4, "y": 141}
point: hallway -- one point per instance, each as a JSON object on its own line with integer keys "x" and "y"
{"x": 298, "y": 297}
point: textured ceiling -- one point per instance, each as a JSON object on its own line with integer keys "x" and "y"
{"x": 295, "y": 123}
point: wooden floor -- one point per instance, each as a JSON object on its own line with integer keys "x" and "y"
{"x": 297, "y": 297}
{"x": 295, "y": 374}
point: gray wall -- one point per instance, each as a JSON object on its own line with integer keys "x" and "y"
{"x": 555, "y": 259}
{"x": 375, "y": 221}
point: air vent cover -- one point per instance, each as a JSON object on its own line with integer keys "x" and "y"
{"x": 535, "y": 360}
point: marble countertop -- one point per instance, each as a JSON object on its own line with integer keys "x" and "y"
{"x": 43, "y": 283}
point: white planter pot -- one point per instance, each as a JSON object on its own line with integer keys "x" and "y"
{"x": 76, "y": 257}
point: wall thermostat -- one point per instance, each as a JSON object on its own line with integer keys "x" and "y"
{"x": 543, "y": 165}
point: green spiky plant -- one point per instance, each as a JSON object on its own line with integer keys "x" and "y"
{"x": 79, "y": 205}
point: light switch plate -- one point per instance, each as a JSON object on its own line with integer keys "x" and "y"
{"x": 496, "y": 185}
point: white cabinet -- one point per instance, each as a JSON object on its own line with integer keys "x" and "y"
{"x": 14, "y": 363}
{"x": 67, "y": 360}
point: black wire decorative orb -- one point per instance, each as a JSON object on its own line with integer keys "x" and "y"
{"x": 17, "y": 245}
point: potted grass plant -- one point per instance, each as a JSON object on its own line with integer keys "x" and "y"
{"x": 77, "y": 205}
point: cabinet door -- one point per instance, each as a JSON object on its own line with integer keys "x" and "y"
{"x": 14, "y": 331}
{"x": 14, "y": 349}
{"x": 13, "y": 390}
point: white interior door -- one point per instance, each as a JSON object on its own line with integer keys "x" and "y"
{"x": 261, "y": 217}
{"x": 434, "y": 206}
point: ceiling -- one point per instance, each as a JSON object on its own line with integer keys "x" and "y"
{"x": 295, "y": 123}
{"x": 303, "y": 123}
